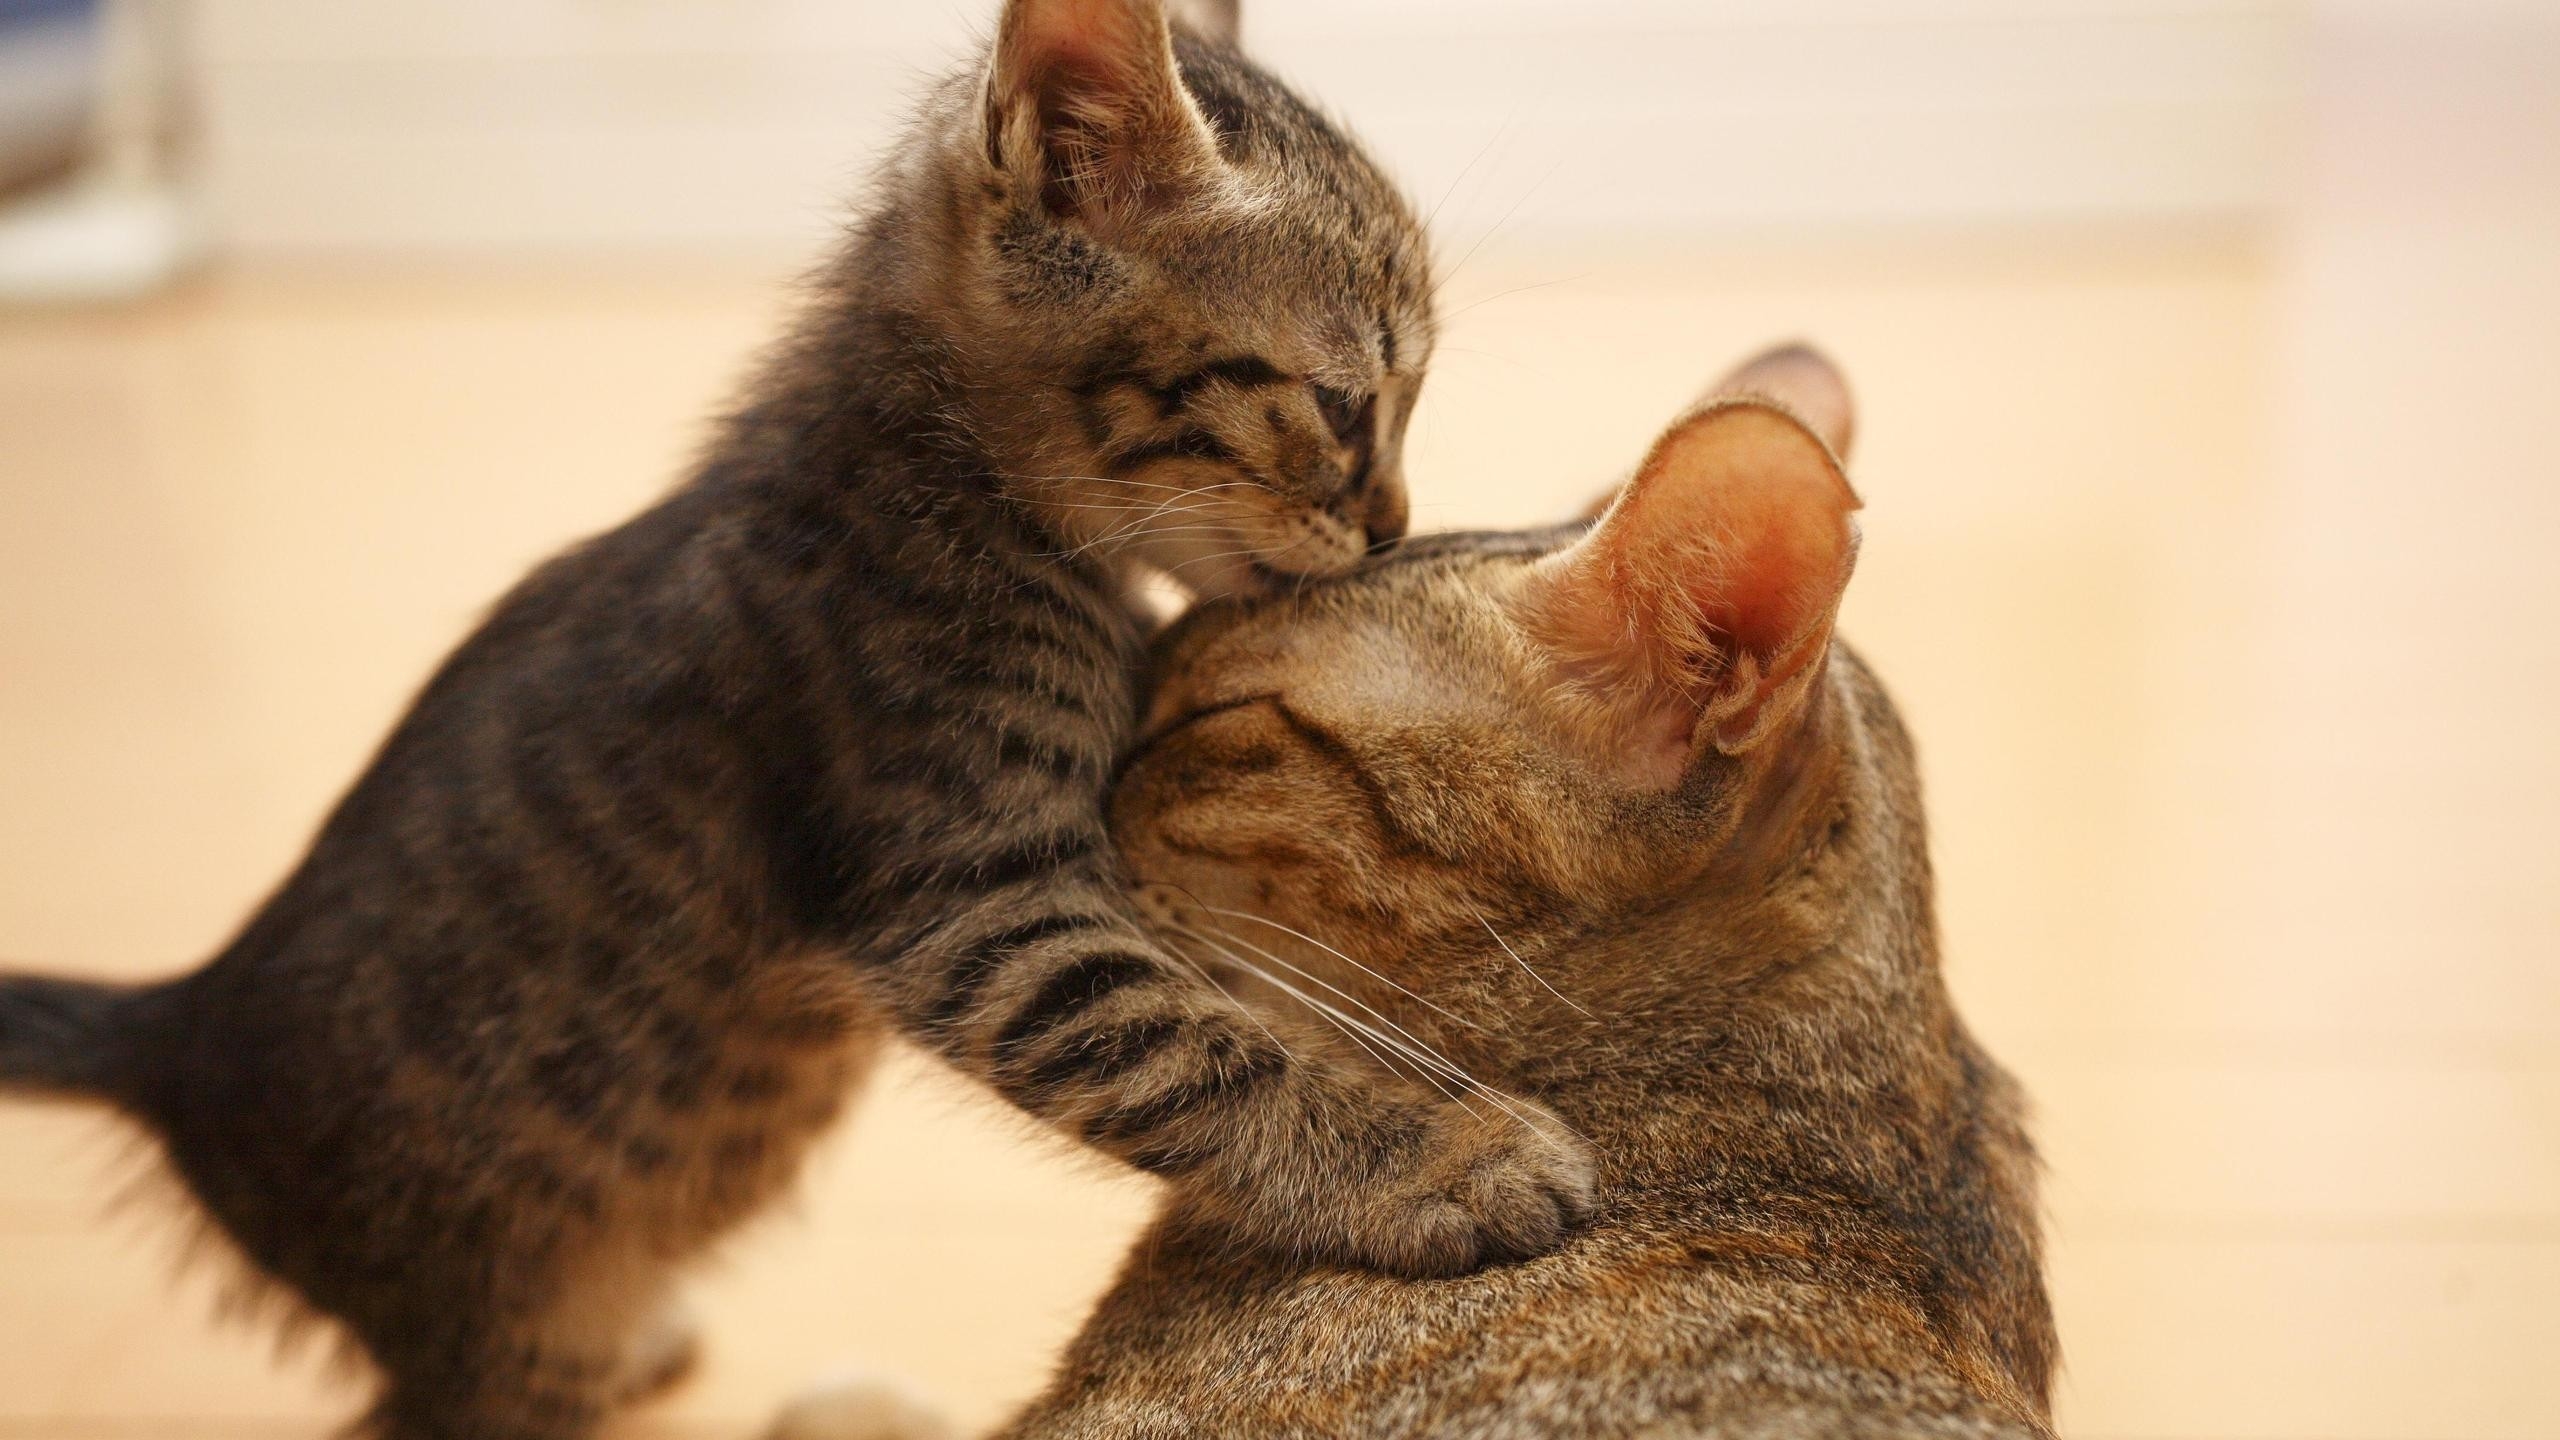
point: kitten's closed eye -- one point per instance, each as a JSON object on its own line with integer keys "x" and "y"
{"x": 1354, "y": 422}
{"x": 1351, "y": 416}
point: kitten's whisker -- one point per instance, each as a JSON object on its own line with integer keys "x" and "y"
{"x": 1514, "y": 290}
{"x": 1523, "y": 964}
{"x": 1144, "y": 511}
{"x": 1198, "y": 496}
{"x": 1126, "y": 532}
{"x": 1123, "y": 532}
{"x": 1182, "y": 489}
{"x": 1338, "y": 955}
{"x": 1452, "y": 192}
{"x": 1257, "y": 552}
{"x": 1179, "y": 566}
{"x": 1525, "y": 195}
{"x": 1123, "y": 480}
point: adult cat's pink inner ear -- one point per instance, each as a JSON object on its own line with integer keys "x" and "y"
{"x": 1086, "y": 93}
{"x": 1700, "y": 607}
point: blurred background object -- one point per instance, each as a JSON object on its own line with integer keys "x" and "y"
{"x": 364, "y": 126}
{"x": 2206, "y": 350}
{"x": 48, "y": 88}
{"x": 89, "y": 204}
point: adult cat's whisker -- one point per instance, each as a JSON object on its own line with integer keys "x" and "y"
{"x": 1212, "y": 981}
{"x": 1313, "y": 978}
{"x": 1359, "y": 1034}
{"x": 1412, "y": 1046}
{"x": 1338, "y": 955}
{"x": 1386, "y": 1059}
{"x": 1189, "y": 933}
{"x": 1340, "y": 1019}
{"x": 1523, "y": 964}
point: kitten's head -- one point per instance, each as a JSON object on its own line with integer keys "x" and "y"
{"x": 1569, "y": 725}
{"x": 1189, "y": 315}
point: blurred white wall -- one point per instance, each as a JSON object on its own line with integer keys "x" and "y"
{"x": 489, "y": 126}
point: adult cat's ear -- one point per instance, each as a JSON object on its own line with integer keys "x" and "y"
{"x": 1697, "y": 613}
{"x": 1219, "y": 20}
{"x": 1084, "y": 102}
{"x": 1801, "y": 380}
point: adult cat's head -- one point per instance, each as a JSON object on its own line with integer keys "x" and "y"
{"x": 1602, "y": 816}
{"x": 1548, "y": 732}
{"x": 1183, "y": 312}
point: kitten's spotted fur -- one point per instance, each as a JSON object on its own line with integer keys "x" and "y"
{"x": 1607, "y": 820}
{"x": 612, "y": 924}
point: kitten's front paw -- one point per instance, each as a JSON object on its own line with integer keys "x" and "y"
{"x": 1484, "y": 1192}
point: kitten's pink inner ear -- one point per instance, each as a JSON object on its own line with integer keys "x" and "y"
{"x": 1092, "y": 86}
{"x": 1101, "y": 39}
{"x": 1700, "y": 607}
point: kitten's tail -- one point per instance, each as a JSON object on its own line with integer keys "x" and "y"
{"x": 62, "y": 1038}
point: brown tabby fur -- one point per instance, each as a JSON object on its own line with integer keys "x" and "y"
{"x": 1817, "y": 1216}
{"x": 612, "y": 924}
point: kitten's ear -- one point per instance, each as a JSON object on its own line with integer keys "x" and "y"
{"x": 1085, "y": 103}
{"x": 1801, "y": 380}
{"x": 1219, "y": 20}
{"x": 1696, "y": 615}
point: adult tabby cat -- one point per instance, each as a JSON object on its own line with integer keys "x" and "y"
{"x": 611, "y": 924}
{"x": 1608, "y": 821}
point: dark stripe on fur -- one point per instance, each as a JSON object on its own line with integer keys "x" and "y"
{"x": 1106, "y": 1056}
{"x": 1245, "y": 372}
{"x": 1191, "y": 443}
{"x": 1031, "y": 859}
{"x": 970, "y": 973}
{"x": 1073, "y": 989}
{"x": 1234, "y": 1072}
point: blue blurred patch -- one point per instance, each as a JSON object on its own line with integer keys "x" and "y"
{"x": 48, "y": 85}
{"x": 23, "y": 12}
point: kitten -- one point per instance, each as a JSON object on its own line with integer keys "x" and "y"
{"x": 1606, "y": 820}
{"x": 616, "y": 918}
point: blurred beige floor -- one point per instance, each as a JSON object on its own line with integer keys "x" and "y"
{"x": 2246, "y": 850}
